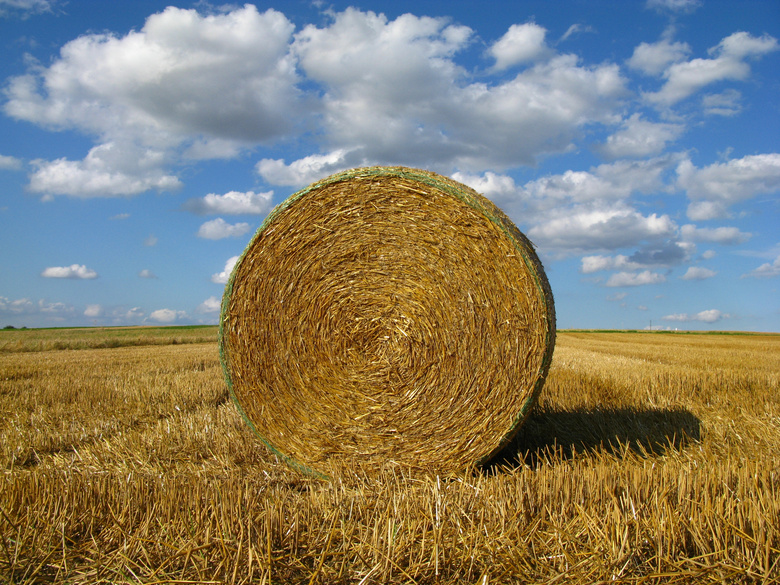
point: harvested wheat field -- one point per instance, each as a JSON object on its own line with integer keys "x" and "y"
{"x": 649, "y": 458}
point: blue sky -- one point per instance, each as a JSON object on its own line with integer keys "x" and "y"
{"x": 636, "y": 143}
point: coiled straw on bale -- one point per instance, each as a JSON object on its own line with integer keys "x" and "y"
{"x": 386, "y": 315}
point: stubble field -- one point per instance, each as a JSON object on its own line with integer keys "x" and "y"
{"x": 651, "y": 458}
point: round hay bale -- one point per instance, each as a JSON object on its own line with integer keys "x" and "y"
{"x": 386, "y": 315}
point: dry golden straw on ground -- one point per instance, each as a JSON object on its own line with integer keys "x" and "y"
{"x": 387, "y": 315}
{"x": 650, "y": 459}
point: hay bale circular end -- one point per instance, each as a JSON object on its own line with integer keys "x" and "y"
{"x": 386, "y": 315}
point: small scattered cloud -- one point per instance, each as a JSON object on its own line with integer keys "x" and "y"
{"x": 522, "y": 43}
{"x": 679, "y": 6}
{"x": 669, "y": 253}
{"x": 16, "y": 307}
{"x": 218, "y": 229}
{"x": 93, "y": 311}
{"x": 224, "y": 276}
{"x": 576, "y": 29}
{"x": 720, "y": 235}
{"x": 639, "y": 138}
{"x": 10, "y": 163}
{"x": 303, "y": 171}
{"x": 709, "y": 316}
{"x": 133, "y": 315}
{"x": 498, "y": 188}
{"x": 654, "y": 58}
{"x": 698, "y": 273}
{"x": 665, "y": 254}
{"x": 25, "y": 8}
{"x": 47, "y": 312}
{"x": 591, "y": 264}
{"x": 75, "y": 271}
{"x": 635, "y": 278}
{"x": 231, "y": 203}
{"x": 167, "y": 316}
{"x": 767, "y": 270}
{"x": 58, "y": 312}
{"x": 726, "y": 103}
{"x": 119, "y": 216}
{"x": 210, "y": 305}
{"x": 617, "y": 297}
{"x": 146, "y": 273}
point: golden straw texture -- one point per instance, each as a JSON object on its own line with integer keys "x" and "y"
{"x": 386, "y": 315}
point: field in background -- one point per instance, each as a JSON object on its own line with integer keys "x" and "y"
{"x": 651, "y": 458}
{"x": 22, "y": 340}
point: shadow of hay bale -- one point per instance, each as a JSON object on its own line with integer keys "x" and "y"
{"x": 550, "y": 434}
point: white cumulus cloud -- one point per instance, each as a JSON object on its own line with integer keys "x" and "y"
{"x": 584, "y": 211}
{"x": 653, "y": 58}
{"x": 607, "y": 182}
{"x": 224, "y": 276}
{"x": 713, "y": 189}
{"x": 233, "y": 71}
{"x": 210, "y": 305}
{"x": 304, "y": 171}
{"x": 499, "y": 188}
{"x": 603, "y": 229}
{"x": 107, "y": 171}
{"x": 698, "y": 273}
{"x": 640, "y": 138}
{"x": 395, "y": 95}
{"x": 522, "y": 43}
{"x": 10, "y": 163}
{"x": 719, "y": 235}
{"x": 685, "y": 78}
{"x": 231, "y": 203}
{"x": 635, "y": 278}
{"x": 767, "y": 270}
{"x": 217, "y": 229}
{"x": 78, "y": 271}
{"x": 591, "y": 264}
{"x": 93, "y": 311}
